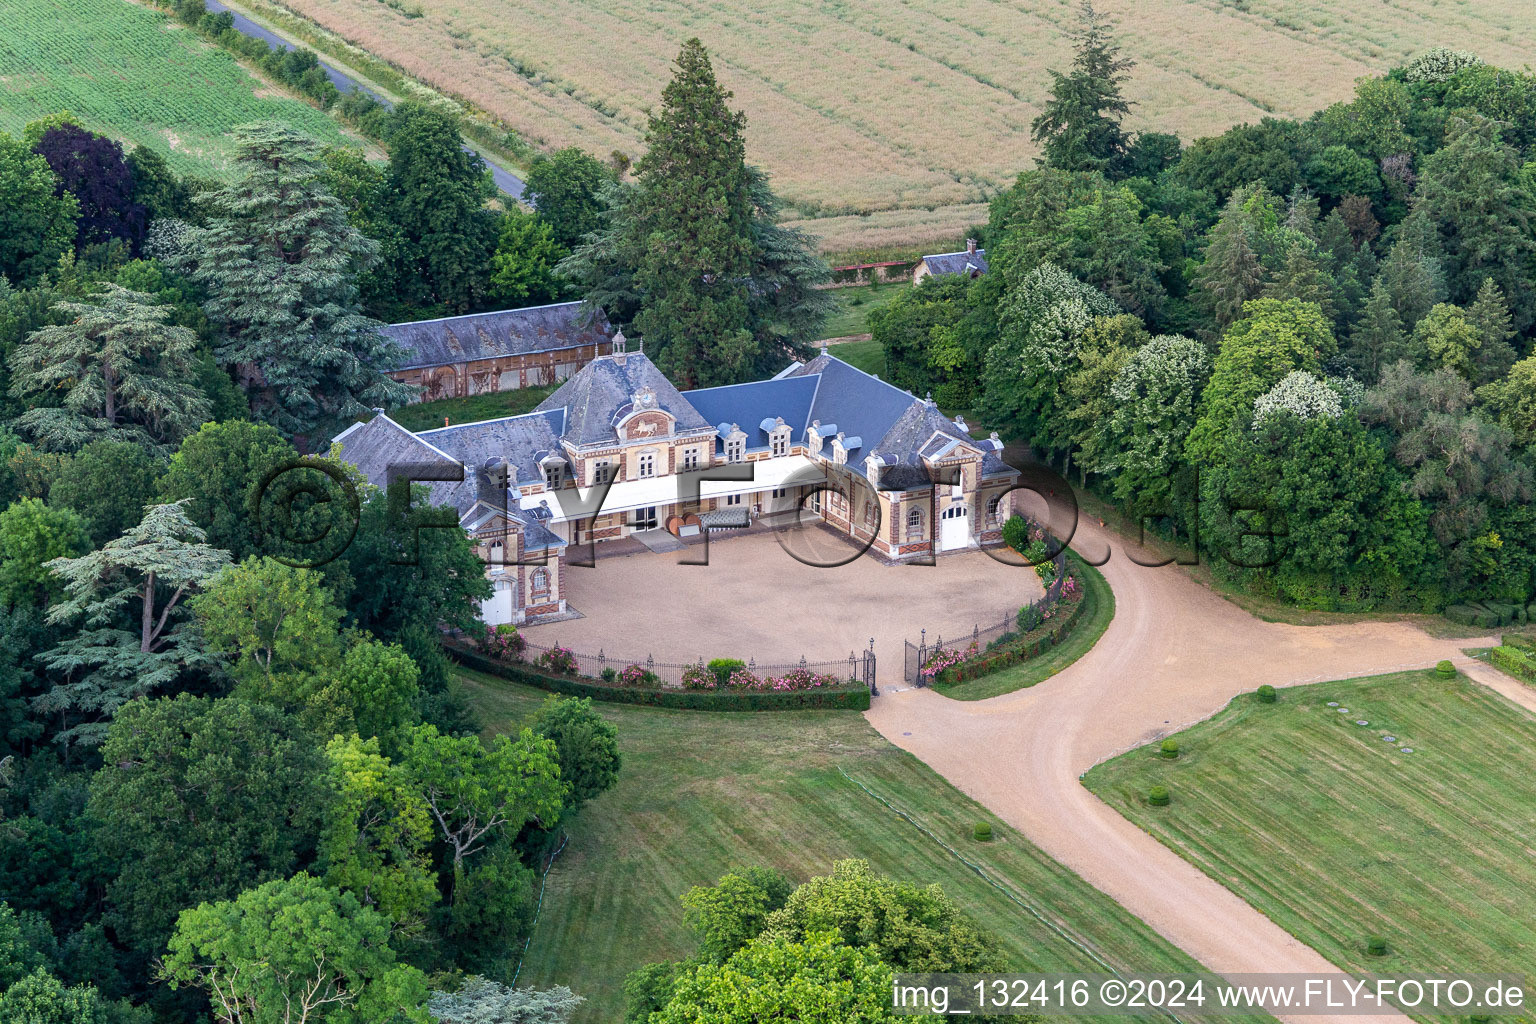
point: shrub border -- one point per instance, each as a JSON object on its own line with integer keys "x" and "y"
{"x": 853, "y": 697}
{"x": 1515, "y": 662}
{"x": 1010, "y": 653}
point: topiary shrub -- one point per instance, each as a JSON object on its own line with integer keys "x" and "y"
{"x": 609, "y": 674}
{"x": 723, "y": 667}
{"x": 1266, "y": 694}
{"x": 1169, "y": 749}
{"x": 1462, "y": 614}
{"x": 1445, "y": 670}
{"x": 1376, "y": 946}
{"x": 982, "y": 833}
{"x": 1158, "y": 796}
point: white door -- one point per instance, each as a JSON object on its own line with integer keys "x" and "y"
{"x": 498, "y": 608}
{"x": 955, "y": 527}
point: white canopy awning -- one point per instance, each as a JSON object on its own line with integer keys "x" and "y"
{"x": 582, "y": 503}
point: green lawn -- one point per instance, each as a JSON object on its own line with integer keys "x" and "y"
{"x": 134, "y": 74}
{"x": 854, "y": 305}
{"x": 1095, "y": 620}
{"x": 701, "y": 793}
{"x": 1336, "y": 834}
{"x": 868, "y": 356}
{"x": 427, "y": 415}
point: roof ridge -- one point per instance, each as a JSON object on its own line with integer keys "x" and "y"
{"x": 489, "y": 312}
{"x": 477, "y": 423}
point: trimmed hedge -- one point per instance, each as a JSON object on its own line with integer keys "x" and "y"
{"x": 1445, "y": 670}
{"x": 1266, "y": 694}
{"x": 1521, "y": 642}
{"x": 1011, "y": 652}
{"x": 1375, "y": 945}
{"x": 1169, "y": 749}
{"x": 1158, "y": 796}
{"x": 854, "y": 697}
{"x": 1518, "y": 663}
{"x": 982, "y": 833}
{"x": 1490, "y": 614}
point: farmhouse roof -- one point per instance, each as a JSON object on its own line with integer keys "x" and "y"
{"x": 507, "y": 332}
{"x": 962, "y": 262}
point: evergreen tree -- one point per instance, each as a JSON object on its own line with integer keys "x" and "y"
{"x": 1233, "y": 270}
{"x": 1378, "y": 340}
{"x": 1079, "y": 128}
{"x": 119, "y": 368}
{"x": 1490, "y": 315}
{"x": 1411, "y": 273}
{"x": 1304, "y": 278}
{"x": 280, "y": 264}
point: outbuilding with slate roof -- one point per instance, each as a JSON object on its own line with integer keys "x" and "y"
{"x": 970, "y": 261}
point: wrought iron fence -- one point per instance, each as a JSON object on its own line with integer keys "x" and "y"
{"x": 919, "y": 654}
{"x": 857, "y": 667}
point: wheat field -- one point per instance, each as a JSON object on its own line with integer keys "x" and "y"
{"x": 894, "y": 120}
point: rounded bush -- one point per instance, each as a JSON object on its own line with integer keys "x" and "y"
{"x": 982, "y": 833}
{"x": 1170, "y": 749}
{"x": 1266, "y": 694}
{"x": 609, "y": 674}
{"x": 1376, "y": 946}
{"x": 1158, "y": 796}
{"x": 1445, "y": 670}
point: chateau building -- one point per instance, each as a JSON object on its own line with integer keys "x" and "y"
{"x": 617, "y": 450}
{"x": 459, "y": 356}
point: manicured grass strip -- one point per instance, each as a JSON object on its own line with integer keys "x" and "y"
{"x": 701, "y": 794}
{"x": 491, "y": 406}
{"x": 854, "y": 305}
{"x": 1098, "y": 611}
{"x": 1337, "y": 835}
{"x": 868, "y": 356}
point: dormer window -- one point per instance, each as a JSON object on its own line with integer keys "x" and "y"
{"x": 552, "y": 476}
{"x": 736, "y": 449}
{"x": 779, "y": 443}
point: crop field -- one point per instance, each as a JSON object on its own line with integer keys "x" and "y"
{"x": 701, "y": 793}
{"x": 133, "y": 74}
{"x": 896, "y": 119}
{"x": 1309, "y": 813}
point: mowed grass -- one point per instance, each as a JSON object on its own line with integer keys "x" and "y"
{"x": 900, "y": 114}
{"x": 854, "y": 306}
{"x": 1096, "y": 618}
{"x": 1337, "y": 835}
{"x": 703, "y": 793}
{"x": 491, "y": 406}
{"x": 133, "y": 74}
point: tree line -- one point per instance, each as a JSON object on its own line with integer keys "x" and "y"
{"x": 1302, "y": 346}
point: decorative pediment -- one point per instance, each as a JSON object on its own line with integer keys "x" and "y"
{"x": 644, "y": 423}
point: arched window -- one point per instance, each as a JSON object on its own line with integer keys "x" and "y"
{"x": 915, "y": 524}
{"x": 992, "y": 506}
{"x": 540, "y": 582}
{"x": 869, "y": 514}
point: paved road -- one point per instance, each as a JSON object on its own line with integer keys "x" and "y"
{"x": 1174, "y": 654}
{"x": 506, "y": 181}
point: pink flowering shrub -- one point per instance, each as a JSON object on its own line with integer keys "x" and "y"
{"x": 559, "y": 660}
{"x": 799, "y": 679}
{"x": 946, "y": 657}
{"x": 1070, "y": 586}
{"x": 505, "y": 642}
{"x": 638, "y": 675}
{"x": 743, "y": 679}
{"x": 697, "y": 677}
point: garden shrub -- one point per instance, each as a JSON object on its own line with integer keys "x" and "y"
{"x": 608, "y": 675}
{"x": 1266, "y": 694}
{"x": 1518, "y": 663}
{"x": 1158, "y": 796}
{"x": 1445, "y": 670}
{"x": 1530, "y": 612}
{"x": 637, "y": 675}
{"x": 697, "y": 677}
{"x": 723, "y": 667}
{"x": 1462, "y": 614}
{"x": 559, "y": 660}
{"x": 1169, "y": 749}
{"x": 1376, "y": 946}
{"x": 1521, "y": 642}
{"x": 982, "y": 832}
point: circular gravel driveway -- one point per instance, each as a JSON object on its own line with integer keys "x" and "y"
{"x": 754, "y": 600}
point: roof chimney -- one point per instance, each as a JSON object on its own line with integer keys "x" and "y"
{"x": 970, "y": 247}
{"x": 823, "y": 346}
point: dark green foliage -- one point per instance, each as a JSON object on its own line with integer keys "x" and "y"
{"x": 221, "y": 469}
{"x": 108, "y": 483}
{"x": 37, "y": 225}
{"x": 982, "y": 832}
{"x": 1169, "y": 749}
{"x": 586, "y": 747}
{"x": 1266, "y": 694}
{"x": 1079, "y": 126}
{"x": 1158, "y": 796}
{"x": 1375, "y": 945}
{"x": 567, "y": 188}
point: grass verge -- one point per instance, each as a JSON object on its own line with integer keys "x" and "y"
{"x": 699, "y": 795}
{"x": 854, "y": 306}
{"x": 1098, "y": 611}
{"x": 1336, "y": 834}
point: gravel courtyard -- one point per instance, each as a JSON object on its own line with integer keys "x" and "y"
{"x": 754, "y": 600}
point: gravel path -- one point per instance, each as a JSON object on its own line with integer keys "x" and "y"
{"x": 1174, "y": 654}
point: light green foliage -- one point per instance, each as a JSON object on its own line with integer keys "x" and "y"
{"x": 1449, "y": 340}
{"x": 477, "y": 792}
{"x": 146, "y": 572}
{"x": 1513, "y": 400}
{"x": 1152, "y": 407}
{"x": 32, "y": 534}
{"x": 523, "y": 266}
{"x": 909, "y": 927}
{"x": 295, "y": 950}
{"x": 729, "y": 914}
{"x": 1107, "y": 345}
{"x": 586, "y": 746}
{"x": 18, "y": 957}
{"x": 819, "y": 980}
{"x": 279, "y": 262}
{"x": 108, "y": 483}
{"x": 1273, "y": 338}
{"x": 376, "y": 843}
{"x": 274, "y": 619}
{"x": 199, "y": 799}
{"x": 40, "y": 998}
{"x": 36, "y": 228}
{"x": 118, "y": 369}
{"x": 482, "y": 1001}
{"x": 372, "y": 691}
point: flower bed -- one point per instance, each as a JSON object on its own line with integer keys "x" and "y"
{"x": 702, "y": 677}
{"x": 1055, "y": 625}
{"x": 836, "y": 694}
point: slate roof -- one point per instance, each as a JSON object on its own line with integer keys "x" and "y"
{"x": 521, "y": 440}
{"x": 594, "y": 394}
{"x": 962, "y": 262}
{"x": 508, "y": 332}
{"x": 755, "y": 406}
{"x": 861, "y": 405}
